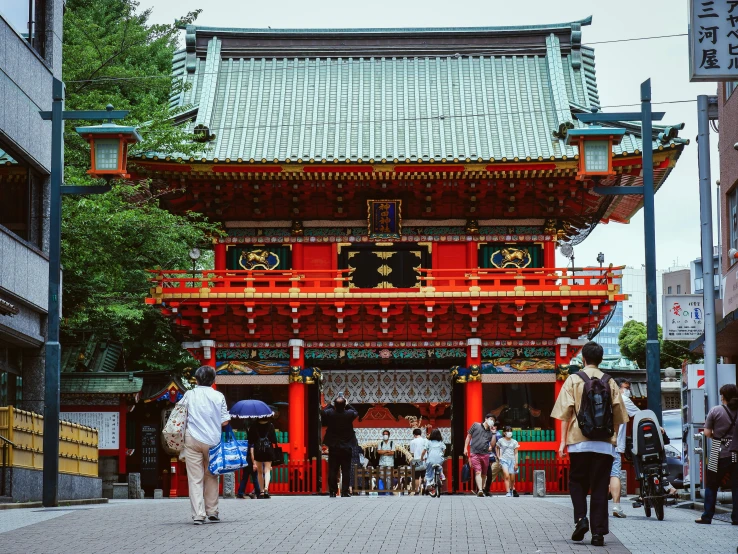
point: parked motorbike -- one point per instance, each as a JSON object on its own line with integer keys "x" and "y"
{"x": 649, "y": 461}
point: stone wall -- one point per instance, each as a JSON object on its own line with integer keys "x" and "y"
{"x": 26, "y": 486}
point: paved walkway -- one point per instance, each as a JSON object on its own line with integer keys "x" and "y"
{"x": 365, "y": 525}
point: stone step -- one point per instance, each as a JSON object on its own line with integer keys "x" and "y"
{"x": 5, "y": 499}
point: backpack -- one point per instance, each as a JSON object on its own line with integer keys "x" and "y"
{"x": 595, "y": 416}
{"x": 263, "y": 446}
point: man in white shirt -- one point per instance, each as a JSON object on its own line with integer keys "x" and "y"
{"x": 418, "y": 448}
{"x": 207, "y": 414}
{"x": 632, "y": 409}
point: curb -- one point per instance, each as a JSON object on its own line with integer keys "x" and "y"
{"x": 62, "y": 503}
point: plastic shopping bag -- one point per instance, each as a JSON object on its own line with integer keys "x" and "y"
{"x": 231, "y": 454}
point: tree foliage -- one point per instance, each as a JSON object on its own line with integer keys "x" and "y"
{"x": 112, "y": 55}
{"x": 632, "y": 342}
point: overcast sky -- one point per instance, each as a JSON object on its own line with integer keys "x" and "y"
{"x": 621, "y": 67}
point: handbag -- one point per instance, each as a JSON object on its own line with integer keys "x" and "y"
{"x": 466, "y": 473}
{"x": 718, "y": 444}
{"x": 174, "y": 430}
{"x": 230, "y": 455}
{"x": 278, "y": 456}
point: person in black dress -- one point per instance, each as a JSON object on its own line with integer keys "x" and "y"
{"x": 262, "y": 440}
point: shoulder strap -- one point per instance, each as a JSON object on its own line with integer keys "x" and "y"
{"x": 732, "y": 421}
{"x": 583, "y": 376}
{"x": 605, "y": 378}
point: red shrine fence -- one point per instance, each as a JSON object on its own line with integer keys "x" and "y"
{"x": 301, "y": 477}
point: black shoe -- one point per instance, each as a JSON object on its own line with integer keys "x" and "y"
{"x": 345, "y": 495}
{"x": 240, "y": 496}
{"x": 704, "y": 521}
{"x": 198, "y": 521}
{"x": 265, "y": 494}
{"x": 515, "y": 493}
{"x": 580, "y": 530}
{"x": 332, "y": 495}
{"x": 598, "y": 540}
{"x": 214, "y": 519}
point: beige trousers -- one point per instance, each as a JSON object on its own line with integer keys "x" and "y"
{"x": 203, "y": 484}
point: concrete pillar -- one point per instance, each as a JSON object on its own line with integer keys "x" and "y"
{"x": 134, "y": 485}
{"x": 539, "y": 483}
{"x": 32, "y": 373}
{"x": 229, "y": 485}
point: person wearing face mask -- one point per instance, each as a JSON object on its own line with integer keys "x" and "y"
{"x": 477, "y": 448}
{"x": 507, "y": 453}
{"x": 632, "y": 409}
{"x": 495, "y": 469}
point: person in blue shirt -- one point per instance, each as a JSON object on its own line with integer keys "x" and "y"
{"x": 435, "y": 456}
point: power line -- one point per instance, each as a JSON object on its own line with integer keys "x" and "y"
{"x": 435, "y": 117}
{"x": 350, "y": 61}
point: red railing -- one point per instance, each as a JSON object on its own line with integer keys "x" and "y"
{"x": 326, "y": 281}
{"x": 301, "y": 477}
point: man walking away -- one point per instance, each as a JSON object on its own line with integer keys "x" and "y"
{"x": 477, "y": 448}
{"x": 340, "y": 439}
{"x": 591, "y": 409}
{"x": 632, "y": 410}
{"x": 495, "y": 469}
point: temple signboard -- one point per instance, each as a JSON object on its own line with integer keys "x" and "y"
{"x": 106, "y": 423}
{"x": 683, "y": 317}
{"x": 713, "y": 40}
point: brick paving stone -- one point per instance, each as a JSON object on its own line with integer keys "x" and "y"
{"x": 368, "y": 525}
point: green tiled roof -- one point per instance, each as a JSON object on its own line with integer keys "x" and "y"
{"x": 372, "y": 97}
{"x": 96, "y": 383}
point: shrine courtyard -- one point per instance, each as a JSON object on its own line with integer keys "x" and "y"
{"x": 301, "y": 525}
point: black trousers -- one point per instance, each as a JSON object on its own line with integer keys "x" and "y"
{"x": 339, "y": 458}
{"x": 590, "y": 472}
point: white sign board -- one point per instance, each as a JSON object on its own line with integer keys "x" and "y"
{"x": 106, "y": 423}
{"x": 730, "y": 291}
{"x": 696, "y": 375}
{"x": 683, "y": 317}
{"x": 713, "y": 40}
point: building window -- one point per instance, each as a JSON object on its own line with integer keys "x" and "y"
{"x": 679, "y": 289}
{"x": 729, "y": 88}
{"x": 28, "y": 19}
{"x": 20, "y": 199}
{"x": 733, "y": 218}
{"x": 668, "y": 290}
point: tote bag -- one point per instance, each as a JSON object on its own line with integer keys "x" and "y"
{"x": 231, "y": 454}
{"x": 174, "y": 430}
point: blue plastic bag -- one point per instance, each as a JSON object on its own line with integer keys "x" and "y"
{"x": 466, "y": 473}
{"x": 230, "y": 455}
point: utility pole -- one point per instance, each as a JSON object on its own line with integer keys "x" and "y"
{"x": 52, "y": 367}
{"x": 646, "y": 117}
{"x": 707, "y": 110}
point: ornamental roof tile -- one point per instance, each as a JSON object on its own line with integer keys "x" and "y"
{"x": 504, "y": 93}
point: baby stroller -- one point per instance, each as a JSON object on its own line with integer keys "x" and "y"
{"x": 649, "y": 461}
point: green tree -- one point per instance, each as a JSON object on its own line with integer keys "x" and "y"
{"x": 632, "y": 342}
{"x": 113, "y": 55}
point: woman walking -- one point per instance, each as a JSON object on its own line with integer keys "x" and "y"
{"x": 507, "y": 454}
{"x": 262, "y": 440}
{"x": 719, "y": 426}
{"x": 207, "y": 413}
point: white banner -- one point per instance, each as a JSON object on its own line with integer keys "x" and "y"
{"x": 106, "y": 423}
{"x": 713, "y": 40}
{"x": 683, "y": 317}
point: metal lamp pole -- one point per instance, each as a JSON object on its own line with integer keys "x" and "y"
{"x": 646, "y": 117}
{"x": 52, "y": 370}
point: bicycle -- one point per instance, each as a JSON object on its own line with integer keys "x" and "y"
{"x": 435, "y": 489}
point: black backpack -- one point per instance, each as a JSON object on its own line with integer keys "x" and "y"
{"x": 263, "y": 446}
{"x": 595, "y": 411}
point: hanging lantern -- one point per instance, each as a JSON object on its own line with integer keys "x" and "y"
{"x": 595, "y": 150}
{"x": 109, "y": 148}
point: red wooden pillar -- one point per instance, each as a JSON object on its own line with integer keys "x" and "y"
{"x": 220, "y": 254}
{"x": 298, "y": 263}
{"x": 474, "y": 402}
{"x": 296, "y": 400}
{"x": 122, "y": 413}
{"x": 549, "y": 254}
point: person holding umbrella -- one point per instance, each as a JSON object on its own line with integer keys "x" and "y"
{"x": 262, "y": 439}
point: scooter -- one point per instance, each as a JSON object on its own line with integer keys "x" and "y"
{"x": 649, "y": 461}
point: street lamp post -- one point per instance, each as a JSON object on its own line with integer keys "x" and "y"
{"x": 646, "y": 117}
{"x": 57, "y": 115}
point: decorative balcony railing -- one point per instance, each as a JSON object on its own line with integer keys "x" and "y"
{"x": 431, "y": 282}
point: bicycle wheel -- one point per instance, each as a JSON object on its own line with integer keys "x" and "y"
{"x": 438, "y": 484}
{"x": 658, "y": 507}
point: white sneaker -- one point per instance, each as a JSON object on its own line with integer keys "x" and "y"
{"x": 617, "y": 511}
{"x": 509, "y": 495}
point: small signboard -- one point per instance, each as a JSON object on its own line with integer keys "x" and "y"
{"x": 683, "y": 317}
{"x": 730, "y": 291}
{"x": 106, "y": 423}
{"x": 713, "y": 40}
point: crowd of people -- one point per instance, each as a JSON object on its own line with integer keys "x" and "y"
{"x": 595, "y": 456}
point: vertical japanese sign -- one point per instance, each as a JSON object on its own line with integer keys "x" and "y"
{"x": 683, "y": 317}
{"x": 713, "y": 40}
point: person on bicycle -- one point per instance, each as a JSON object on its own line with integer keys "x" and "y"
{"x": 435, "y": 456}
{"x": 418, "y": 448}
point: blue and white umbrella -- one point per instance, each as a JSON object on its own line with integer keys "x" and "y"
{"x": 253, "y": 409}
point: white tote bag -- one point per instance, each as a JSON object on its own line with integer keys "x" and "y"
{"x": 174, "y": 430}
